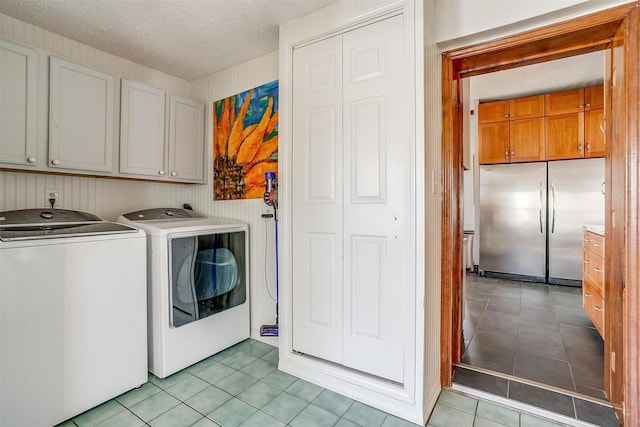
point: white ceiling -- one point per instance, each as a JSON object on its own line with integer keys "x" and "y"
{"x": 188, "y": 39}
{"x": 561, "y": 74}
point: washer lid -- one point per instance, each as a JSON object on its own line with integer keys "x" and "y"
{"x": 30, "y": 224}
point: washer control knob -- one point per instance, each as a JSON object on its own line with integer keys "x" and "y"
{"x": 46, "y": 215}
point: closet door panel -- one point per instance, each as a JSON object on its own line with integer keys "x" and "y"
{"x": 376, "y": 174}
{"x": 317, "y": 200}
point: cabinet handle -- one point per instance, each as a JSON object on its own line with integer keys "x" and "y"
{"x": 586, "y": 261}
{"x": 604, "y": 119}
{"x": 586, "y": 239}
{"x": 580, "y": 106}
{"x": 506, "y": 116}
{"x": 55, "y": 162}
{"x": 580, "y": 147}
{"x": 512, "y": 115}
{"x": 161, "y": 173}
{"x": 174, "y": 173}
{"x": 31, "y": 159}
{"x": 588, "y": 147}
{"x": 598, "y": 270}
{"x": 596, "y": 308}
{"x": 588, "y": 295}
{"x": 597, "y": 245}
{"x": 513, "y": 153}
{"x": 587, "y": 105}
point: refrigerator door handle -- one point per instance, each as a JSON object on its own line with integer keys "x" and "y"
{"x": 541, "y": 205}
{"x": 553, "y": 217}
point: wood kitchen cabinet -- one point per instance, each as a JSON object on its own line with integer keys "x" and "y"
{"x": 511, "y": 130}
{"x": 593, "y": 300}
{"x": 564, "y": 136}
{"x": 573, "y": 122}
{"x": 594, "y": 144}
{"x": 81, "y": 119}
{"x": 568, "y": 101}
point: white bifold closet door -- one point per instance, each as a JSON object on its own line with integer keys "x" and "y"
{"x": 351, "y": 188}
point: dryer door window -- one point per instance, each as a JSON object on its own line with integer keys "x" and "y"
{"x": 208, "y": 275}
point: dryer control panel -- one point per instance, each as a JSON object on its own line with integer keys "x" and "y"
{"x": 163, "y": 214}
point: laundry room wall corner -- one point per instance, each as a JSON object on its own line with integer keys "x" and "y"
{"x": 261, "y": 231}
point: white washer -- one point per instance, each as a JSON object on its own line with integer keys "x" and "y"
{"x": 72, "y": 314}
{"x": 198, "y": 285}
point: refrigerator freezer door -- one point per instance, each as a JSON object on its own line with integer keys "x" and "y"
{"x": 513, "y": 219}
{"x": 575, "y": 199}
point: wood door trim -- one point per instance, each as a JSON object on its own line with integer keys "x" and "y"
{"x": 482, "y": 58}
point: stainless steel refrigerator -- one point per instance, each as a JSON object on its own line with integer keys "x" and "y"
{"x": 531, "y": 218}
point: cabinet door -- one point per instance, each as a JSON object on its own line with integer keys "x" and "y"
{"x": 142, "y": 139}
{"x": 186, "y": 139}
{"x": 593, "y": 135}
{"x": 564, "y": 136}
{"x": 496, "y": 111}
{"x": 18, "y": 98}
{"x": 525, "y": 108}
{"x": 526, "y": 138}
{"x": 568, "y": 101}
{"x": 81, "y": 117}
{"x": 317, "y": 200}
{"x": 377, "y": 161}
{"x": 594, "y": 97}
{"x": 493, "y": 143}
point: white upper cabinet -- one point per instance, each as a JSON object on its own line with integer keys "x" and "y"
{"x": 81, "y": 127}
{"x": 142, "y": 136}
{"x": 18, "y": 99}
{"x": 186, "y": 139}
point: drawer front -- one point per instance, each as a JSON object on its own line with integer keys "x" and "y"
{"x": 593, "y": 305}
{"x": 593, "y": 271}
{"x": 594, "y": 243}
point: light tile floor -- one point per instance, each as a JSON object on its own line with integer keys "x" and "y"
{"x": 241, "y": 386}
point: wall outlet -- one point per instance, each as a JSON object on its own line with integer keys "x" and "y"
{"x": 52, "y": 195}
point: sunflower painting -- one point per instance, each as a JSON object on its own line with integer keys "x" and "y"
{"x": 245, "y": 142}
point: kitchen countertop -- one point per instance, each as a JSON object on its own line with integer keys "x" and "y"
{"x": 598, "y": 229}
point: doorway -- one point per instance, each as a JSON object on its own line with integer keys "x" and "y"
{"x": 608, "y": 30}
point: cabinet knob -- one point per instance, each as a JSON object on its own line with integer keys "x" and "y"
{"x": 55, "y": 162}
{"x": 580, "y": 106}
{"x": 31, "y": 159}
{"x": 587, "y": 105}
{"x": 161, "y": 173}
{"x": 174, "y": 173}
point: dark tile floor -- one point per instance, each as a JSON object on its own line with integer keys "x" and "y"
{"x": 534, "y": 331}
{"x": 539, "y": 336}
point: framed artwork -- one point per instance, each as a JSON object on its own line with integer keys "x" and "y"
{"x": 245, "y": 142}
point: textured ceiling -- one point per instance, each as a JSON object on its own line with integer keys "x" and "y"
{"x": 188, "y": 39}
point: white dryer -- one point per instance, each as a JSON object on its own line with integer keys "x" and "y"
{"x": 198, "y": 277}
